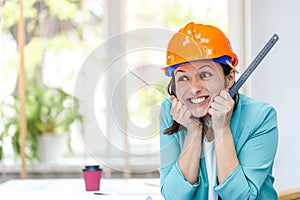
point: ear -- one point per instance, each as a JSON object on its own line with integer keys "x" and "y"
{"x": 230, "y": 79}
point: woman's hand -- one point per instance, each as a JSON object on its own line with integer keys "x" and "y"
{"x": 182, "y": 115}
{"x": 188, "y": 160}
{"x": 221, "y": 111}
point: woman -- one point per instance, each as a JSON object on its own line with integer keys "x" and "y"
{"x": 212, "y": 146}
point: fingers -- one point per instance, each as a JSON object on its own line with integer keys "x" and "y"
{"x": 221, "y": 110}
{"x": 218, "y": 103}
{"x": 222, "y": 104}
{"x": 186, "y": 113}
{"x": 225, "y": 94}
{"x": 180, "y": 112}
{"x": 176, "y": 106}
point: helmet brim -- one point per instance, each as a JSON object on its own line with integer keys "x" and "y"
{"x": 222, "y": 60}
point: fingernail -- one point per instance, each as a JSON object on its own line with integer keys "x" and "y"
{"x": 227, "y": 89}
{"x": 173, "y": 98}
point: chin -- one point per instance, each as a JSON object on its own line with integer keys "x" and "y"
{"x": 200, "y": 113}
{"x": 198, "y": 110}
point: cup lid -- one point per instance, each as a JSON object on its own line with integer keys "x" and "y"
{"x": 92, "y": 168}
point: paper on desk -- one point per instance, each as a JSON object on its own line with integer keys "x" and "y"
{"x": 50, "y": 196}
{"x": 74, "y": 189}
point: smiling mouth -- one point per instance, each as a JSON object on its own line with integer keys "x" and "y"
{"x": 198, "y": 100}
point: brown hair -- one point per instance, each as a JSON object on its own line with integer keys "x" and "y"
{"x": 175, "y": 127}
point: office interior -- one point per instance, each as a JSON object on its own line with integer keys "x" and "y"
{"x": 96, "y": 51}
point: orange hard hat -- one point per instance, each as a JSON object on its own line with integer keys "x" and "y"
{"x": 196, "y": 42}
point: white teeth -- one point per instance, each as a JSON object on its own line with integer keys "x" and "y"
{"x": 198, "y": 100}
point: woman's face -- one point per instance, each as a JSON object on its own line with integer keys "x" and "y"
{"x": 198, "y": 83}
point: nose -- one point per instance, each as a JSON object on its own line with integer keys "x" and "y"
{"x": 196, "y": 84}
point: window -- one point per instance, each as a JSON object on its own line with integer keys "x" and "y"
{"x": 59, "y": 37}
{"x": 63, "y": 41}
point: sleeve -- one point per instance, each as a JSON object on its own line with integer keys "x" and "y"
{"x": 171, "y": 177}
{"x": 256, "y": 159}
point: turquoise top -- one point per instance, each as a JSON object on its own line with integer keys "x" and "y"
{"x": 255, "y": 133}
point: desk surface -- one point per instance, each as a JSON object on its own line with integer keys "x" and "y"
{"x": 119, "y": 189}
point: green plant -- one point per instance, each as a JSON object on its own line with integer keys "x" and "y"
{"x": 48, "y": 110}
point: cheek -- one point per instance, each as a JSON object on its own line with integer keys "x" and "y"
{"x": 180, "y": 91}
{"x": 215, "y": 86}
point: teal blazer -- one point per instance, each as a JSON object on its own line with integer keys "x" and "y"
{"x": 255, "y": 133}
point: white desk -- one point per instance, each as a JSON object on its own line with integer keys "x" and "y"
{"x": 56, "y": 189}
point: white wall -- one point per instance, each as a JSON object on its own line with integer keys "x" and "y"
{"x": 277, "y": 79}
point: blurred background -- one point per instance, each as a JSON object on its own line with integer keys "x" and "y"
{"x": 60, "y": 36}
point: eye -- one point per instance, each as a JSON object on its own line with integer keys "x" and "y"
{"x": 205, "y": 74}
{"x": 182, "y": 78}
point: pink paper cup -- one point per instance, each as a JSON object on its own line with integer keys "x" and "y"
{"x": 92, "y": 179}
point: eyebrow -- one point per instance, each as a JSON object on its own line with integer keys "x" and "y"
{"x": 199, "y": 68}
{"x": 209, "y": 66}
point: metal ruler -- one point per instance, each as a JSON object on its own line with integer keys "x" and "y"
{"x": 234, "y": 89}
